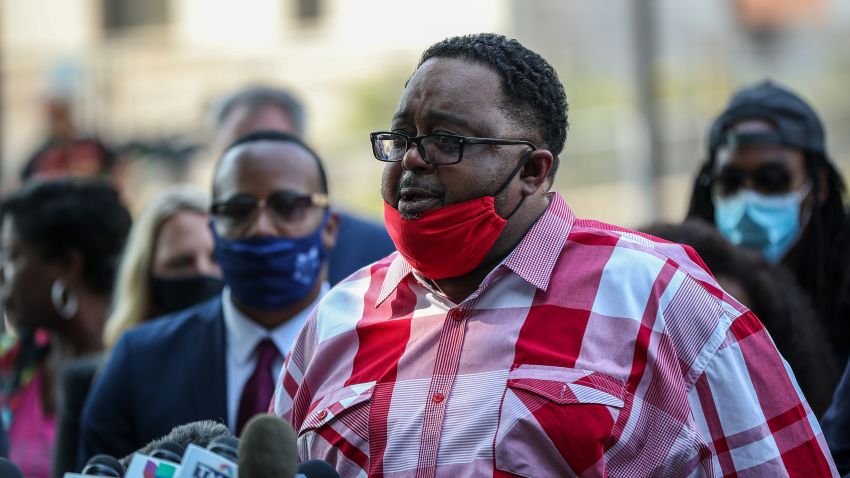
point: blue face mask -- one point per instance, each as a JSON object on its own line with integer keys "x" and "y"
{"x": 271, "y": 272}
{"x": 769, "y": 224}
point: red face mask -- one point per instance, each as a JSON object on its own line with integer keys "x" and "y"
{"x": 452, "y": 240}
{"x": 449, "y": 241}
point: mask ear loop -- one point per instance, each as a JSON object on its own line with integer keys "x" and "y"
{"x": 510, "y": 178}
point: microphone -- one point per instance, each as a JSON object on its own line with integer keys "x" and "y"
{"x": 201, "y": 433}
{"x": 218, "y": 460}
{"x": 9, "y": 469}
{"x": 163, "y": 462}
{"x": 316, "y": 469}
{"x": 169, "y": 451}
{"x": 227, "y": 447}
{"x": 99, "y": 465}
{"x": 267, "y": 449}
{"x": 104, "y": 465}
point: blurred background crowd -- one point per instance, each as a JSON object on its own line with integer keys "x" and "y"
{"x": 137, "y": 94}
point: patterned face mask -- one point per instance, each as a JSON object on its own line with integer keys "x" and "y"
{"x": 271, "y": 272}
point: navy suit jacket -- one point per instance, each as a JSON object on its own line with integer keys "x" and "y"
{"x": 836, "y": 425}
{"x": 161, "y": 374}
{"x": 359, "y": 242}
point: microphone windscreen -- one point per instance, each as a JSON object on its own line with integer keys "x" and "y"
{"x": 200, "y": 433}
{"x": 103, "y": 465}
{"x": 317, "y": 469}
{"x": 267, "y": 449}
{"x": 9, "y": 469}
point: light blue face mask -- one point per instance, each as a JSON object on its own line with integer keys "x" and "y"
{"x": 769, "y": 224}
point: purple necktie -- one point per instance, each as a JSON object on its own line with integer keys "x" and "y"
{"x": 259, "y": 389}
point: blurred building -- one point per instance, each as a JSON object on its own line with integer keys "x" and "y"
{"x": 146, "y": 70}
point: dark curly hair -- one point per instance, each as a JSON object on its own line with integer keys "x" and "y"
{"x": 532, "y": 93}
{"x": 85, "y": 215}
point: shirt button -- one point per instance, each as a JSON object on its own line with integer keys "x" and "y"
{"x": 457, "y": 314}
{"x": 438, "y": 397}
{"x": 322, "y": 415}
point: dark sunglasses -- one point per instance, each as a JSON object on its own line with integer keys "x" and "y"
{"x": 284, "y": 207}
{"x": 767, "y": 179}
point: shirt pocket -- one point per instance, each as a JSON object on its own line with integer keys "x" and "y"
{"x": 337, "y": 427}
{"x": 556, "y": 421}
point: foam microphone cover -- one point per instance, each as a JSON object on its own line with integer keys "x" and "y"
{"x": 103, "y": 465}
{"x": 9, "y": 469}
{"x": 317, "y": 469}
{"x": 267, "y": 449}
{"x": 200, "y": 433}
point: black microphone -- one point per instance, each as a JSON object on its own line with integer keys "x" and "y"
{"x": 227, "y": 447}
{"x": 317, "y": 469}
{"x": 103, "y": 465}
{"x": 267, "y": 449}
{"x": 169, "y": 451}
{"x": 200, "y": 433}
{"x": 9, "y": 469}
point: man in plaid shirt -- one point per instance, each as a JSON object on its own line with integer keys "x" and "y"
{"x": 508, "y": 337}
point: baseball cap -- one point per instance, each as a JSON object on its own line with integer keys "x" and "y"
{"x": 797, "y": 124}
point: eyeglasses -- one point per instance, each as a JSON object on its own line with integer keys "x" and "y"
{"x": 238, "y": 213}
{"x": 439, "y": 149}
{"x": 767, "y": 179}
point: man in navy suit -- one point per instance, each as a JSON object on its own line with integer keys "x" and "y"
{"x": 255, "y": 108}
{"x": 219, "y": 360}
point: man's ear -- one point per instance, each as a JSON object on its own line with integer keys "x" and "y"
{"x": 535, "y": 172}
{"x": 330, "y": 230}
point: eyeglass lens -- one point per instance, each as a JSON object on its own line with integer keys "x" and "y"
{"x": 435, "y": 149}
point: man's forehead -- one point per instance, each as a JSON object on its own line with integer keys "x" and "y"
{"x": 450, "y": 90}
{"x": 755, "y": 155}
{"x": 254, "y": 165}
{"x": 440, "y": 115}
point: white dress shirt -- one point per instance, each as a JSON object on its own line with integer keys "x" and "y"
{"x": 243, "y": 335}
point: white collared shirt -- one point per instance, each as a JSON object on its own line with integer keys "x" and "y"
{"x": 243, "y": 335}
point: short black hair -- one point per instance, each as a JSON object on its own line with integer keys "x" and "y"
{"x": 269, "y": 135}
{"x": 533, "y": 95}
{"x": 85, "y": 215}
{"x": 258, "y": 97}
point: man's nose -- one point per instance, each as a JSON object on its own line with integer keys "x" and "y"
{"x": 413, "y": 160}
{"x": 263, "y": 224}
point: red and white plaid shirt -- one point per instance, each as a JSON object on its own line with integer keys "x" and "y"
{"x": 590, "y": 351}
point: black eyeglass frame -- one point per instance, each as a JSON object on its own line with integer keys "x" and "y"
{"x": 417, "y": 140}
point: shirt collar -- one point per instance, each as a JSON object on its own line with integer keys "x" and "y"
{"x": 533, "y": 259}
{"x": 243, "y": 334}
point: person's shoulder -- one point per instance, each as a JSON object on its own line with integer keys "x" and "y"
{"x": 371, "y": 232}
{"x": 354, "y": 221}
{"x": 636, "y": 251}
{"x": 175, "y": 326}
